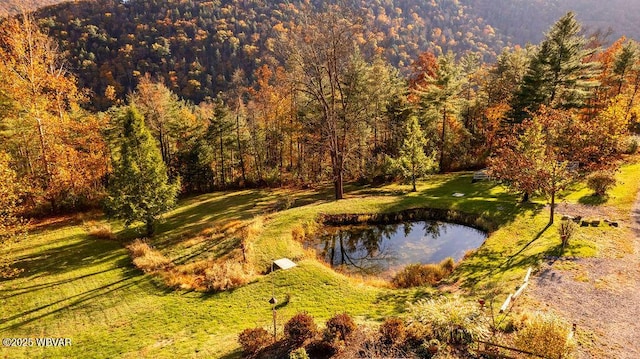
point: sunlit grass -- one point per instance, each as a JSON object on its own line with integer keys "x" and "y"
{"x": 87, "y": 289}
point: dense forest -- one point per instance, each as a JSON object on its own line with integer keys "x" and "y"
{"x": 195, "y": 46}
{"x": 300, "y": 94}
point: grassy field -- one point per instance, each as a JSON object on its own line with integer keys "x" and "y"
{"x": 87, "y": 289}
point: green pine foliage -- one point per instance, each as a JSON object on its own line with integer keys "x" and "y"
{"x": 440, "y": 99}
{"x": 413, "y": 161}
{"x": 139, "y": 189}
{"x": 559, "y": 74}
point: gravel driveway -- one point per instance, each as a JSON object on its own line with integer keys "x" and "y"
{"x": 601, "y": 295}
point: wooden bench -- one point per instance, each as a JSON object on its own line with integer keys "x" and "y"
{"x": 480, "y": 176}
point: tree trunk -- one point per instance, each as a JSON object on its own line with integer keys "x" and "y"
{"x": 240, "y": 152}
{"x": 413, "y": 177}
{"x": 553, "y": 206}
{"x": 222, "y": 179}
{"x": 150, "y": 226}
{"x": 338, "y": 184}
{"x": 444, "y": 128}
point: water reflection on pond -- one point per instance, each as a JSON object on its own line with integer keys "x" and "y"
{"x": 384, "y": 249}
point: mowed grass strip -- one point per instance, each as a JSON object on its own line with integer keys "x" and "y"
{"x": 86, "y": 289}
{"x": 77, "y": 287}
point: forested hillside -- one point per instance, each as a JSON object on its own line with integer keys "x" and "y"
{"x": 195, "y": 46}
{"x": 17, "y": 6}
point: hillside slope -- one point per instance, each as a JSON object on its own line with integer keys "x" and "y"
{"x": 196, "y": 46}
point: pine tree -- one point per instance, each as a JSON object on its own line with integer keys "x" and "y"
{"x": 139, "y": 189}
{"x": 413, "y": 161}
{"x": 623, "y": 63}
{"x": 440, "y": 96}
{"x": 558, "y": 75}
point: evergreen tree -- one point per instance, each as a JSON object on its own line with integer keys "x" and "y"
{"x": 623, "y": 63}
{"x": 440, "y": 97}
{"x": 559, "y": 75}
{"x": 413, "y": 161}
{"x": 139, "y": 189}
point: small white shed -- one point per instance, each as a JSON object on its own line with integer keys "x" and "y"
{"x": 283, "y": 263}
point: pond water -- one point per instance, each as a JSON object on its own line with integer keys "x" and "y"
{"x": 384, "y": 249}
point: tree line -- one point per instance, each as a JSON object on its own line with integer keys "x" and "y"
{"x": 333, "y": 110}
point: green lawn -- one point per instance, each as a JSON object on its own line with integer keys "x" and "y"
{"x": 87, "y": 289}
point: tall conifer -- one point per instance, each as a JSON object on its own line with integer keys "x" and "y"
{"x": 559, "y": 74}
{"x": 139, "y": 189}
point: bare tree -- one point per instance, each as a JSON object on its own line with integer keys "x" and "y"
{"x": 327, "y": 68}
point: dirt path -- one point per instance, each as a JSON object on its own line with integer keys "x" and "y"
{"x": 600, "y": 295}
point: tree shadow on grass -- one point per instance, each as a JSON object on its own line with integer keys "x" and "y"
{"x": 197, "y": 213}
{"x": 484, "y": 199}
{"x": 68, "y": 257}
{"x": 217, "y": 248}
{"x": 233, "y": 355}
{"x": 507, "y": 264}
{"x": 401, "y": 297}
{"x": 70, "y": 302}
{"x": 8, "y": 293}
{"x": 593, "y": 200}
{"x": 483, "y": 265}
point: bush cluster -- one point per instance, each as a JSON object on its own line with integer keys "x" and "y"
{"x": 253, "y": 339}
{"x": 441, "y": 327}
{"x": 99, "y": 230}
{"x": 225, "y": 276}
{"x": 146, "y": 258}
{"x": 416, "y": 275}
{"x": 601, "y": 182}
{"x": 300, "y": 328}
{"x": 545, "y": 335}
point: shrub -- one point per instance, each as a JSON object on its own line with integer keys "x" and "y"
{"x": 177, "y": 279}
{"x": 300, "y": 328}
{"x": 601, "y": 182}
{"x": 320, "y": 349}
{"x": 451, "y": 320}
{"x": 415, "y": 275}
{"x": 297, "y": 233}
{"x": 545, "y": 335}
{"x": 253, "y": 339}
{"x": 138, "y": 248}
{"x": 393, "y": 332}
{"x": 448, "y": 265}
{"x": 428, "y": 349}
{"x": 340, "y": 327}
{"x": 100, "y": 230}
{"x": 299, "y": 353}
{"x": 225, "y": 276}
{"x": 631, "y": 146}
{"x": 566, "y": 231}
{"x": 146, "y": 258}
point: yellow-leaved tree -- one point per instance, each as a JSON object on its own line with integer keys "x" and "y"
{"x": 54, "y": 143}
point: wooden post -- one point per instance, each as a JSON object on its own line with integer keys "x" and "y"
{"x": 506, "y": 303}
{"x": 526, "y": 277}
{"x": 520, "y": 290}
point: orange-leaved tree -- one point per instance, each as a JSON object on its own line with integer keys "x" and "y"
{"x": 535, "y": 157}
{"x": 55, "y": 144}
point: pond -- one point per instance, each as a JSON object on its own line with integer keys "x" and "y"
{"x": 382, "y": 250}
